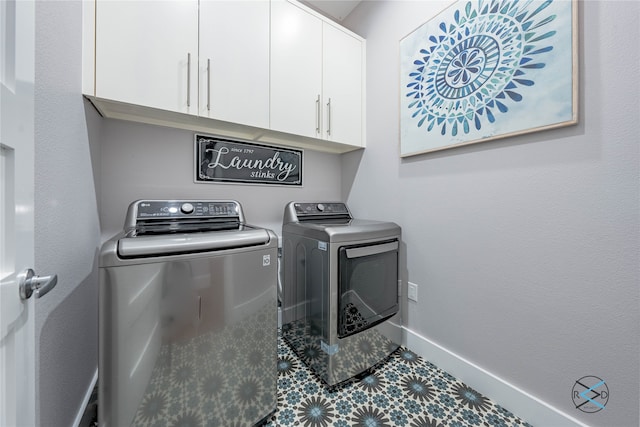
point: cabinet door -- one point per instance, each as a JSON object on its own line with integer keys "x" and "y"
{"x": 142, "y": 51}
{"x": 296, "y": 70}
{"x": 342, "y": 86}
{"x": 234, "y": 61}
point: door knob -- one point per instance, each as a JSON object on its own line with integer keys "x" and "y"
{"x": 29, "y": 283}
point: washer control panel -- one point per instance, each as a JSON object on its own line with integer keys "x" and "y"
{"x": 147, "y": 209}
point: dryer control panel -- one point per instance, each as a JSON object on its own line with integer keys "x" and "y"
{"x": 321, "y": 209}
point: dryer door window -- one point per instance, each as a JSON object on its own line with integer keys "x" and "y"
{"x": 368, "y": 286}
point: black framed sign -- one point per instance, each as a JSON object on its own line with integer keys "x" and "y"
{"x": 220, "y": 159}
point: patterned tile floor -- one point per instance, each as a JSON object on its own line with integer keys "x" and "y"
{"x": 404, "y": 391}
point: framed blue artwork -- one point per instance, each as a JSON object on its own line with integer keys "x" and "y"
{"x": 488, "y": 69}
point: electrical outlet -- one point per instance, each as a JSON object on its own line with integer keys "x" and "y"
{"x": 412, "y": 293}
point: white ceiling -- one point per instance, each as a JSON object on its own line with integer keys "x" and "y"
{"x": 337, "y": 10}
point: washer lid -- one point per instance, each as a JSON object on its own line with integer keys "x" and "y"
{"x": 180, "y": 243}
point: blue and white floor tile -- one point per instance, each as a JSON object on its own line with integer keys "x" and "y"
{"x": 404, "y": 391}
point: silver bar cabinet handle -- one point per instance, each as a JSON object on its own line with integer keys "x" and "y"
{"x": 329, "y": 117}
{"x": 208, "y": 84}
{"x": 188, "y": 79}
{"x": 318, "y": 114}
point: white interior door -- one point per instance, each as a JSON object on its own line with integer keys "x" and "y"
{"x": 17, "y": 359}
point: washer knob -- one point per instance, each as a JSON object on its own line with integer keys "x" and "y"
{"x": 320, "y": 207}
{"x": 186, "y": 208}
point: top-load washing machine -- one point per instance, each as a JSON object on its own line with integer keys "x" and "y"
{"x": 188, "y": 323}
{"x": 340, "y": 295}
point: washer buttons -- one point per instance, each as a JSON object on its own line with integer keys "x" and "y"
{"x": 186, "y": 208}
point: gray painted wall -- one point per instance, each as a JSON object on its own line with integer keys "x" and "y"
{"x": 66, "y": 217}
{"x": 145, "y": 161}
{"x": 525, "y": 250}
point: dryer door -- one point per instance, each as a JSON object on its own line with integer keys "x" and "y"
{"x": 368, "y": 285}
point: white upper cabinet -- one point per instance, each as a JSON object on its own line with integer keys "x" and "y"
{"x": 234, "y": 61}
{"x": 316, "y": 76}
{"x": 296, "y": 70}
{"x": 271, "y": 71}
{"x": 146, "y": 53}
{"x": 343, "y": 84}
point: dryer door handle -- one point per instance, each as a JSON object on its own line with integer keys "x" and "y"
{"x": 364, "y": 251}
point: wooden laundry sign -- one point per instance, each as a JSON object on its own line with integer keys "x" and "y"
{"x": 220, "y": 159}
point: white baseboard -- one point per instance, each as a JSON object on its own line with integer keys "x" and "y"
{"x": 521, "y": 403}
{"x": 85, "y": 401}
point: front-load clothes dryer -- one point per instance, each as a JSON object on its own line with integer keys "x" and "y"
{"x": 188, "y": 323}
{"x": 340, "y": 298}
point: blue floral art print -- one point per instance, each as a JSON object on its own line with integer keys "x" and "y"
{"x": 487, "y": 69}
